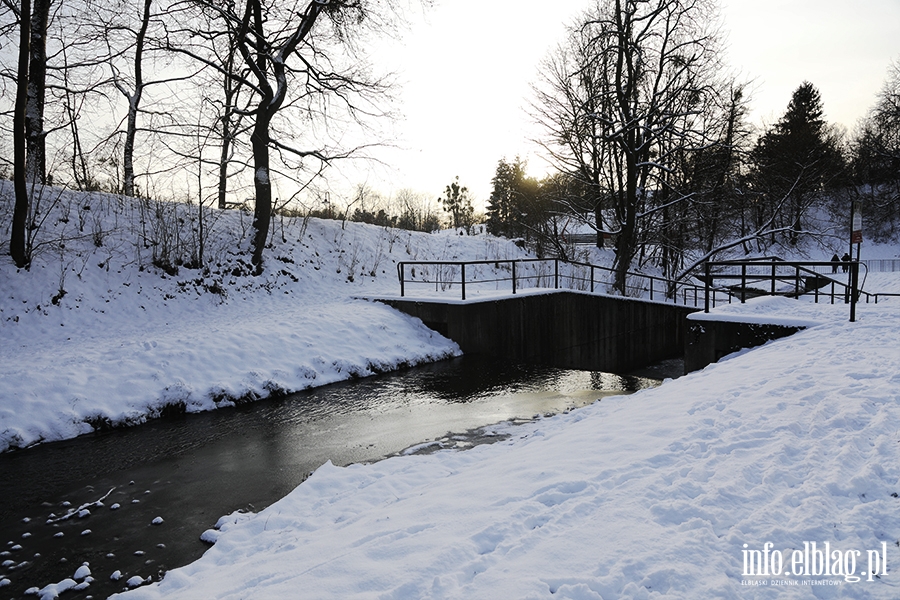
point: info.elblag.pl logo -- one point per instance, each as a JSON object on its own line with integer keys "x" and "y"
{"x": 815, "y": 560}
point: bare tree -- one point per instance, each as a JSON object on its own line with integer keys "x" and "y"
{"x": 20, "y": 213}
{"x": 876, "y": 160}
{"x": 268, "y": 36}
{"x": 35, "y": 161}
{"x": 134, "y": 100}
{"x": 133, "y": 45}
{"x": 629, "y": 87}
{"x": 565, "y": 106}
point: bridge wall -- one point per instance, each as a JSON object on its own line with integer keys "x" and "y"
{"x": 708, "y": 341}
{"x": 564, "y": 329}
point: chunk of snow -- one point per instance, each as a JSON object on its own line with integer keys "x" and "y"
{"x": 210, "y": 536}
{"x": 53, "y": 590}
{"x": 82, "y": 572}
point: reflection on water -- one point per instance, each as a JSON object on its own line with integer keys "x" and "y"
{"x": 193, "y": 469}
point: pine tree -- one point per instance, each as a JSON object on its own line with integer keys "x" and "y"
{"x": 797, "y": 159}
{"x": 457, "y": 202}
{"x": 504, "y": 203}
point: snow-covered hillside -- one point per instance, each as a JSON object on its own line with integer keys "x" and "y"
{"x": 126, "y": 340}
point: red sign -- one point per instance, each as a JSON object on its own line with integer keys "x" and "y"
{"x": 856, "y": 237}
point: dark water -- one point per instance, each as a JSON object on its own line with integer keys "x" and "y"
{"x": 189, "y": 471}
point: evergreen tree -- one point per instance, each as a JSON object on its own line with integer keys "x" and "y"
{"x": 505, "y": 203}
{"x": 458, "y": 204}
{"x": 796, "y": 160}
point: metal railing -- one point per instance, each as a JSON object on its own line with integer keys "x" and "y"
{"x": 882, "y": 265}
{"x": 773, "y": 276}
{"x": 555, "y": 273}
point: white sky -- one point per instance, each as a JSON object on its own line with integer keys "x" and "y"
{"x": 466, "y": 68}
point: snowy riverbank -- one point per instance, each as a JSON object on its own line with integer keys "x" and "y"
{"x": 662, "y": 494}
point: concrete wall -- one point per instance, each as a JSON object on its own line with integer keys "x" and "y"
{"x": 563, "y": 329}
{"x": 708, "y": 341}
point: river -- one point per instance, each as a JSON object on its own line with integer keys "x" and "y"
{"x": 94, "y": 499}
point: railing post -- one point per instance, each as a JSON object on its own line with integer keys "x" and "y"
{"x": 462, "y": 267}
{"x": 651, "y": 288}
{"x": 401, "y": 266}
{"x": 708, "y": 281}
{"x": 514, "y": 276}
{"x": 773, "y": 277}
{"x": 592, "y": 279}
{"x": 854, "y": 282}
{"x": 555, "y": 273}
{"x": 797, "y": 280}
{"x": 743, "y": 284}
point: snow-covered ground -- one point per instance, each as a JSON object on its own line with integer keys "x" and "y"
{"x": 777, "y": 452}
{"x": 771, "y": 455}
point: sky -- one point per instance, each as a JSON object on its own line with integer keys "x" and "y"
{"x": 466, "y": 67}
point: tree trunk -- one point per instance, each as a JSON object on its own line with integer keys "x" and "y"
{"x": 20, "y": 213}
{"x": 262, "y": 214}
{"x": 598, "y": 221}
{"x": 35, "y": 161}
{"x": 128, "y": 149}
{"x": 223, "y": 158}
{"x": 625, "y": 241}
{"x": 134, "y": 101}
{"x": 230, "y": 91}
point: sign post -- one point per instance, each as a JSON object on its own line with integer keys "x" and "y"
{"x": 855, "y": 238}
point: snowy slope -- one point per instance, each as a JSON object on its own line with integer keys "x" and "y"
{"x": 127, "y": 340}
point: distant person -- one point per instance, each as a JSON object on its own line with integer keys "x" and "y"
{"x": 835, "y": 261}
{"x": 846, "y": 259}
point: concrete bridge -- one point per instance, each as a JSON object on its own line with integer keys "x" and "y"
{"x": 578, "y": 330}
{"x": 562, "y": 328}
{"x": 558, "y": 320}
